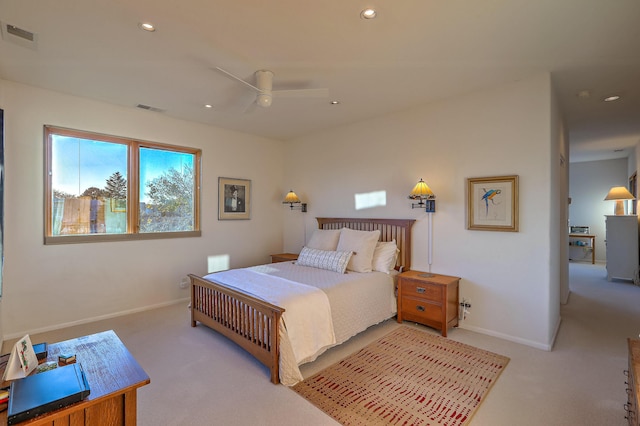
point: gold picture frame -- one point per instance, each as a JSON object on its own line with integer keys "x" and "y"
{"x": 118, "y": 205}
{"x": 234, "y": 199}
{"x": 492, "y": 203}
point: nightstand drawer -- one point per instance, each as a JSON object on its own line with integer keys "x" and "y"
{"x": 421, "y": 310}
{"x": 420, "y": 289}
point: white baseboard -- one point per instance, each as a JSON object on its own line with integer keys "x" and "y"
{"x": 533, "y": 344}
{"x": 92, "y": 319}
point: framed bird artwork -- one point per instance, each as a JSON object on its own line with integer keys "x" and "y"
{"x": 492, "y": 203}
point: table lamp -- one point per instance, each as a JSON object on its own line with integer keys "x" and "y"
{"x": 619, "y": 194}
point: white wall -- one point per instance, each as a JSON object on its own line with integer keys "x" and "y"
{"x": 589, "y": 183}
{"x": 507, "y": 130}
{"x": 510, "y": 278}
{"x": 46, "y": 287}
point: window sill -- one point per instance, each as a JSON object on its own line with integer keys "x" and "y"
{"x": 101, "y": 238}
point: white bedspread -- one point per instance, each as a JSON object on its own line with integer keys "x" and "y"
{"x": 306, "y": 328}
{"x": 356, "y": 301}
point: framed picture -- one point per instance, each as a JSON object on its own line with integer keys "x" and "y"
{"x": 118, "y": 206}
{"x": 493, "y": 203}
{"x": 234, "y": 198}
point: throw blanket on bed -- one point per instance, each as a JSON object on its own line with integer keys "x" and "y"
{"x": 306, "y": 322}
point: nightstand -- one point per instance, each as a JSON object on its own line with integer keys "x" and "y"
{"x": 283, "y": 257}
{"x": 432, "y": 301}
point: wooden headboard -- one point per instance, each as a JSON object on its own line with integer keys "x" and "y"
{"x": 390, "y": 229}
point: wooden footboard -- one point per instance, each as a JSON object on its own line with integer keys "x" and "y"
{"x": 251, "y": 323}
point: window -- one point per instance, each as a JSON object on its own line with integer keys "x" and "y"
{"x": 105, "y": 188}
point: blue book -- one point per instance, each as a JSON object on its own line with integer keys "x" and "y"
{"x": 40, "y": 393}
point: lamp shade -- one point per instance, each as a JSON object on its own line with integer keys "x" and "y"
{"x": 619, "y": 193}
{"x": 291, "y": 198}
{"x": 421, "y": 190}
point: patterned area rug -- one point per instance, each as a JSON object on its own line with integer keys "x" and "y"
{"x": 408, "y": 377}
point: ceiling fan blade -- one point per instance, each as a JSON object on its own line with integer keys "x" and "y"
{"x": 250, "y": 108}
{"x": 301, "y": 93}
{"x": 236, "y": 78}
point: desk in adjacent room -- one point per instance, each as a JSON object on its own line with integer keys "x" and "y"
{"x": 592, "y": 243}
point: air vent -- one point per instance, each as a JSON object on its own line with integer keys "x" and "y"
{"x": 149, "y": 108}
{"x": 19, "y": 32}
{"x": 19, "y": 36}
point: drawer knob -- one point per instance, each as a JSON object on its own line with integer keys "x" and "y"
{"x": 420, "y": 289}
{"x": 420, "y": 308}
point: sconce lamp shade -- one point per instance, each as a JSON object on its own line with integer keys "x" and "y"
{"x": 426, "y": 197}
{"x": 292, "y": 199}
{"x": 619, "y": 194}
{"x": 421, "y": 191}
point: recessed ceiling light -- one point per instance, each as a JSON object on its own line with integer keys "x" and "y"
{"x": 368, "y": 14}
{"x": 611, "y": 98}
{"x": 208, "y": 106}
{"x": 147, "y": 26}
{"x": 334, "y": 102}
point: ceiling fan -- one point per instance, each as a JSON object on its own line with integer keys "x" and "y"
{"x": 264, "y": 88}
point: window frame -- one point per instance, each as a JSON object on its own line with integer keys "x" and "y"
{"x": 133, "y": 185}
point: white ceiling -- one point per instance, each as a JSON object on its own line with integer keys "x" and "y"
{"x": 415, "y": 52}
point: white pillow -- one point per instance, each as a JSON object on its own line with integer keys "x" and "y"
{"x": 324, "y": 259}
{"x": 324, "y": 239}
{"x": 385, "y": 256}
{"x": 362, "y": 244}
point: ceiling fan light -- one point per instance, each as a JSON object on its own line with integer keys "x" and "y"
{"x": 264, "y": 100}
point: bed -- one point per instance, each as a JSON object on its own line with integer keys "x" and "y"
{"x": 265, "y": 325}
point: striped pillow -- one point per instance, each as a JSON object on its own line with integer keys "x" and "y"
{"x": 324, "y": 259}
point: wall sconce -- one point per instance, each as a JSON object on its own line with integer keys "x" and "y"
{"x": 619, "y": 194}
{"x": 427, "y": 200}
{"x": 426, "y": 197}
{"x": 292, "y": 199}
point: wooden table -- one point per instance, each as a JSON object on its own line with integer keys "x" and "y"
{"x": 114, "y": 377}
{"x": 283, "y": 257}
{"x": 592, "y": 244}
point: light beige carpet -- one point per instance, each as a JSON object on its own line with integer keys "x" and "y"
{"x": 408, "y": 377}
